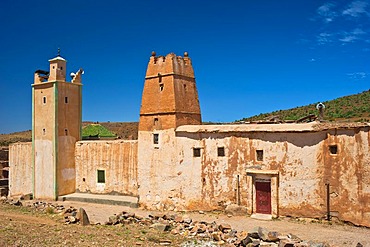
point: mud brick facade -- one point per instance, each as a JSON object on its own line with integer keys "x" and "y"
{"x": 177, "y": 163}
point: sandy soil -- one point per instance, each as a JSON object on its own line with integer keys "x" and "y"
{"x": 335, "y": 234}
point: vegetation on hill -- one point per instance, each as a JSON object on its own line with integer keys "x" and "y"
{"x": 24, "y": 136}
{"x": 350, "y": 108}
{"x": 96, "y": 130}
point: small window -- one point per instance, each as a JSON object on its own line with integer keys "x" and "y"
{"x": 66, "y": 100}
{"x": 259, "y": 154}
{"x": 155, "y": 138}
{"x": 44, "y": 100}
{"x": 61, "y": 68}
{"x": 221, "y": 151}
{"x": 66, "y": 132}
{"x": 161, "y": 87}
{"x": 155, "y": 121}
{"x": 43, "y": 131}
{"x": 101, "y": 176}
{"x": 333, "y": 149}
{"x": 196, "y": 152}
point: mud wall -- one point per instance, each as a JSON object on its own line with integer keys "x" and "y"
{"x": 171, "y": 177}
{"x": 115, "y": 161}
{"x": 20, "y": 168}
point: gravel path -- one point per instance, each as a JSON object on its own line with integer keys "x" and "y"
{"x": 335, "y": 234}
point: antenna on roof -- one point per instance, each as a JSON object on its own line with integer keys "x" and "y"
{"x": 320, "y": 106}
{"x": 58, "y": 52}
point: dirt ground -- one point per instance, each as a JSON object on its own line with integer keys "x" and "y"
{"x": 19, "y": 228}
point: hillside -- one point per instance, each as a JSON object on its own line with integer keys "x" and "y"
{"x": 124, "y": 130}
{"x": 349, "y": 108}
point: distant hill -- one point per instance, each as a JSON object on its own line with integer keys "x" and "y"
{"x": 349, "y": 108}
{"x": 123, "y": 130}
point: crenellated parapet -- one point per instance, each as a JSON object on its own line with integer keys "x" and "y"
{"x": 169, "y": 65}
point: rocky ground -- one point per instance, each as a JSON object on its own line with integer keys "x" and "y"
{"x": 31, "y": 223}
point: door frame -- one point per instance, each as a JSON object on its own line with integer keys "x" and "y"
{"x": 271, "y": 176}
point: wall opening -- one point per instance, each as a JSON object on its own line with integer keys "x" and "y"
{"x": 155, "y": 138}
{"x": 101, "y": 176}
{"x": 220, "y": 151}
{"x": 161, "y": 87}
{"x": 44, "y": 100}
{"x": 259, "y": 155}
{"x": 43, "y": 131}
{"x": 66, "y": 132}
{"x": 66, "y": 100}
{"x": 333, "y": 149}
{"x": 196, "y": 152}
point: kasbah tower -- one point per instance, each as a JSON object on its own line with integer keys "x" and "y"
{"x": 56, "y": 126}
{"x": 169, "y": 100}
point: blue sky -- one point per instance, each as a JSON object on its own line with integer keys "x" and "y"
{"x": 249, "y": 57}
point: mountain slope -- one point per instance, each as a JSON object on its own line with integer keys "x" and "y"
{"x": 348, "y": 108}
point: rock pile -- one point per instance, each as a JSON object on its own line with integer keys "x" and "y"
{"x": 213, "y": 233}
{"x": 71, "y": 215}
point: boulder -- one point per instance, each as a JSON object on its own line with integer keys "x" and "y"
{"x": 234, "y": 209}
{"x": 161, "y": 227}
{"x": 82, "y": 217}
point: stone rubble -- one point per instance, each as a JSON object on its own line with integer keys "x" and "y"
{"x": 199, "y": 233}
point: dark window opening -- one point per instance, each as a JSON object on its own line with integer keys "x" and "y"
{"x": 155, "y": 121}
{"x": 66, "y": 132}
{"x": 185, "y": 87}
{"x": 221, "y": 151}
{"x": 161, "y": 87}
{"x": 101, "y": 176}
{"x": 333, "y": 149}
{"x": 43, "y": 131}
{"x": 44, "y": 99}
{"x": 83, "y": 180}
{"x": 66, "y": 100}
{"x": 259, "y": 154}
{"x": 196, "y": 152}
{"x": 61, "y": 68}
{"x": 155, "y": 138}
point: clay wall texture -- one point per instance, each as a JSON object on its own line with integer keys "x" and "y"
{"x": 302, "y": 161}
{"x": 20, "y": 165}
{"x": 169, "y": 94}
{"x": 117, "y": 158}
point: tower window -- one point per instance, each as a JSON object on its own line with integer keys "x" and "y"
{"x": 155, "y": 138}
{"x": 220, "y": 151}
{"x": 161, "y": 87}
{"x": 101, "y": 176}
{"x": 66, "y": 132}
{"x": 43, "y": 131}
{"x": 66, "y": 100}
{"x": 155, "y": 121}
{"x": 61, "y": 68}
{"x": 196, "y": 152}
{"x": 259, "y": 154}
{"x": 44, "y": 100}
{"x": 333, "y": 149}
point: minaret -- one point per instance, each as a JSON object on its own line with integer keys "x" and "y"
{"x": 170, "y": 97}
{"x": 56, "y": 126}
{"x": 169, "y": 100}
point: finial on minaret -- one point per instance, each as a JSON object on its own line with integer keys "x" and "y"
{"x": 153, "y": 54}
{"x": 186, "y": 54}
{"x": 58, "y": 52}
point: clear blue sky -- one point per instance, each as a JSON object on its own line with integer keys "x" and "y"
{"x": 249, "y": 57}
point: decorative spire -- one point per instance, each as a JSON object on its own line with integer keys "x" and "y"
{"x": 58, "y": 52}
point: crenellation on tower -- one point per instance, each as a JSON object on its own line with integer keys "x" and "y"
{"x": 170, "y": 97}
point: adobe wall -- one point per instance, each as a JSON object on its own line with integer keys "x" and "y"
{"x": 301, "y": 160}
{"x": 20, "y": 169}
{"x": 117, "y": 158}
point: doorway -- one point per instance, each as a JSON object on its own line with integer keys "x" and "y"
{"x": 263, "y": 197}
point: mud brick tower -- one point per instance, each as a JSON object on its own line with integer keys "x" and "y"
{"x": 56, "y": 126}
{"x": 169, "y": 100}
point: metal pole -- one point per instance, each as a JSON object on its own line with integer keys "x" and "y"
{"x": 238, "y": 191}
{"x": 327, "y": 201}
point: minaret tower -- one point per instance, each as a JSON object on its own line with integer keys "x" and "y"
{"x": 56, "y": 126}
{"x": 169, "y": 100}
{"x": 170, "y": 97}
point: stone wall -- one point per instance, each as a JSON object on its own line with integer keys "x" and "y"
{"x": 115, "y": 160}
{"x": 20, "y": 165}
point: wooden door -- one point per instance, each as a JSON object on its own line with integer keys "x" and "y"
{"x": 263, "y": 197}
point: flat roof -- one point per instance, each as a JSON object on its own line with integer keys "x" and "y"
{"x": 281, "y": 127}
